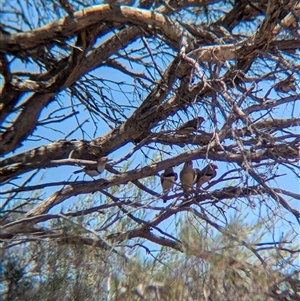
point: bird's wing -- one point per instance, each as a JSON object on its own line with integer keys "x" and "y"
{"x": 214, "y": 173}
{"x": 207, "y": 170}
{"x": 181, "y": 174}
{"x": 169, "y": 174}
{"x": 197, "y": 174}
{"x": 194, "y": 123}
{"x": 191, "y": 124}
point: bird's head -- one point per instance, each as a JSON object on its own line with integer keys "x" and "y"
{"x": 169, "y": 170}
{"x": 104, "y": 159}
{"x": 214, "y": 166}
{"x": 189, "y": 163}
{"x": 200, "y": 119}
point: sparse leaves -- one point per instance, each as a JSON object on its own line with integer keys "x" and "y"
{"x": 80, "y": 81}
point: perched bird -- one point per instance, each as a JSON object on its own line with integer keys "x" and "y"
{"x": 187, "y": 177}
{"x": 287, "y": 85}
{"x": 94, "y": 169}
{"x": 168, "y": 177}
{"x": 206, "y": 174}
{"x": 191, "y": 125}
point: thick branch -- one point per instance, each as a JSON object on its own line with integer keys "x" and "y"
{"x": 26, "y": 122}
{"x": 68, "y": 26}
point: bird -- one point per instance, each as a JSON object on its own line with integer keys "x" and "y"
{"x": 206, "y": 174}
{"x": 191, "y": 125}
{"x": 286, "y": 86}
{"x": 187, "y": 177}
{"x": 168, "y": 177}
{"x": 94, "y": 170}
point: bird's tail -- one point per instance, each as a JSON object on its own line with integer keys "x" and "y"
{"x": 164, "y": 197}
{"x": 186, "y": 191}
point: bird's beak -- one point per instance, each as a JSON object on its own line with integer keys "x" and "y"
{"x": 109, "y": 159}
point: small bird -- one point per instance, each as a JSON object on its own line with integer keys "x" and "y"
{"x": 187, "y": 177}
{"x": 287, "y": 85}
{"x": 168, "y": 177}
{"x": 94, "y": 169}
{"x": 206, "y": 174}
{"x": 191, "y": 125}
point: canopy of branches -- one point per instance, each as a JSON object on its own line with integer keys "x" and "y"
{"x": 85, "y": 80}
